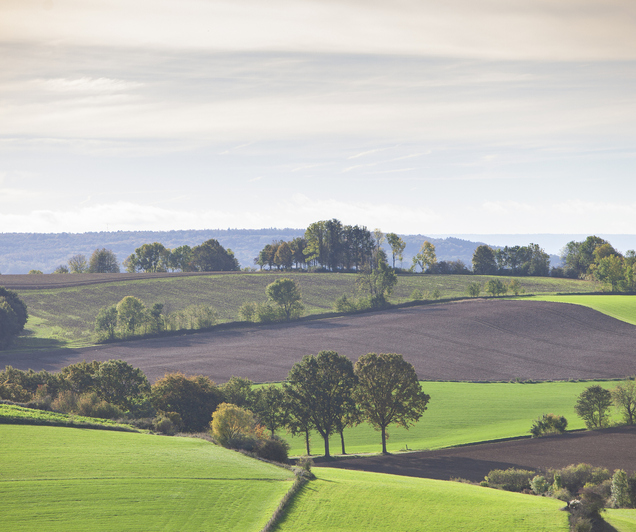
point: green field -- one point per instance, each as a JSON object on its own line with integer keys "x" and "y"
{"x": 464, "y": 412}
{"x": 621, "y": 307}
{"x": 621, "y": 520}
{"x": 55, "y": 478}
{"x": 352, "y": 501}
{"x": 30, "y": 416}
{"x": 66, "y": 316}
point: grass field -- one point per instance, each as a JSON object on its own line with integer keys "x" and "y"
{"x": 30, "y": 416}
{"x": 621, "y": 520}
{"x": 621, "y": 307}
{"x": 464, "y": 412}
{"x": 55, "y": 478}
{"x": 65, "y": 316}
{"x": 352, "y": 501}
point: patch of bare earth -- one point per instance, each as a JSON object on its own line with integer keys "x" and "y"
{"x": 480, "y": 340}
{"x": 611, "y": 448}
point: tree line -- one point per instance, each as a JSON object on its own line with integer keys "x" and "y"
{"x": 324, "y": 393}
{"x": 155, "y": 257}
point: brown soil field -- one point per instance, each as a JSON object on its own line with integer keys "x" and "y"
{"x": 475, "y": 340}
{"x": 44, "y": 282}
{"x": 611, "y": 448}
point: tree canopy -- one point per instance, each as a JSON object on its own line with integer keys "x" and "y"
{"x": 212, "y": 256}
{"x": 388, "y": 392}
{"x": 323, "y": 384}
{"x": 103, "y": 261}
{"x": 286, "y": 294}
{"x": 593, "y": 406}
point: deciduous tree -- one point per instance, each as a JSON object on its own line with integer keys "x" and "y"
{"x": 425, "y": 258}
{"x": 593, "y": 405}
{"x": 78, "y": 264}
{"x": 212, "y": 256}
{"x": 484, "y": 262}
{"x": 231, "y": 423}
{"x": 119, "y": 383}
{"x": 286, "y": 294}
{"x": 323, "y": 384}
{"x": 397, "y": 246}
{"x": 388, "y": 392}
{"x": 13, "y": 316}
{"x": 103, "y": 261}
{"x": 106, "y": 322}
{"x": 624, "y": 397}
{"x": 131, "y": 313}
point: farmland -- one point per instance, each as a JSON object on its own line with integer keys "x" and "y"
{"x": 63, "y": 307}
{"x": 352, "y": 501}
{"x": 125, "y": 481}
{"x": 477, "y": 340}
{"x": 621, "y": 307}
{"x": 461, "y": 412}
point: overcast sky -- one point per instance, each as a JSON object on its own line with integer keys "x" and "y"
{"x": 414, "y": 116}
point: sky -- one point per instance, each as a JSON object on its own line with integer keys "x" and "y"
{"x": 413, "y": 116}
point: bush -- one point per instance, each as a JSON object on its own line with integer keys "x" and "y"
{"x": 305, "y": 463}
{"x": 167, "y": 423}
{"x": 548, "y": 424}
{"x": 247, "y": 312}
{"x": 14, "y": 392}
{"x": 575, "y": 477}
{"x": 90, "y": 405}
{"x": 233, "y": 426}
{"x": 510, "y": 479}
{"x": 274, "y": 449}
{"x": 417, "y": 295}
{"x": 539, "y": 485}
{"x": 562, "y": 494}
{"x": 345, "y": 304}
{"x": 621, "y": 496}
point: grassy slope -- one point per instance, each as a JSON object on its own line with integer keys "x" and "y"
{"x": 351, "y": 501}
{"x": 65, "y": 316}
{"x": 463, "y": 412}
{"x": 55, "y": 478}
{"x": 28, "y": 416}
{"x": 620, "y": 307}
{"x": 621, "y": 520}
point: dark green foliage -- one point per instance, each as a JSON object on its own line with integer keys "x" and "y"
{"x": 378, "y": 284}
{"x": 13, "y": 316}
{"x": 549, "y": 424}
{"x": 238, "y": 391}
{"x": 274, "y": 449}
{"x": 388, "y": 392}
{"x": 212, "y": 256}
{"x": 148, "y": 258}
{"x": 119, "y": 383}
{"x": 286, "y": 294}
{"x": 495, "y": 287}
{"x": 270, "y": 407}
{"x": 574, "y": 477}
{"x": 593, "y": 406}
{"x": 484, "y": 262}
{"x": 194, "y": 398}
{"x": 510, "y": 479}
{"x": 103, "y": 261}
{"x": 320, "y": 391}
{"x": 106, "y": 322}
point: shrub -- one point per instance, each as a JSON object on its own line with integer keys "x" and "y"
{"x": 562, "y": 494}
{"x": 305, "y": 463}
{"x": 12, "y": 391}
{"x": 345, "y": 304}
{"x": 575, "y": 477}
{"x": 90, "y": 405}
{"x": 66, "y": 402}
{"x": 274, "y": 449}
{"x": 548, "y": 424}
{"x": 620, "y": 490}
{"x": 510, "y": 479}
{"x": 539, "y": 485}
{"x": 167, "y": 423}
{"x": 247, "y": 312}
{"x": 417, "y": 295}
{"x": 233, "y": 426}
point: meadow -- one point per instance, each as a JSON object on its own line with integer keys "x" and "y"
{"x": 460, "y": 413}
{"x": 621, "y": 307}
{"x": 56, "y": 478}
{"x": 65, "y": 316}
{"x": 352, "y": 501}
{"x": 623, "y": 520}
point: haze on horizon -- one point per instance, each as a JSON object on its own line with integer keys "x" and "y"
{"x": 412, "y": 116}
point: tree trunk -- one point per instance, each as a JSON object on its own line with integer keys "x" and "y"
{"x": 384, "y": 440}
{"x": 326, "y": 438}
{"x": 307, "y": 442}
{"x": 342, "y": 441}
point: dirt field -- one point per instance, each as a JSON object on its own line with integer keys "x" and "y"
{"x": 480, "y": 340}
{"x": 610, "y": 448}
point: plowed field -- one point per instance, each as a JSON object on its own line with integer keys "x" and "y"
{"x": 478, "y": 340}
{"x": 611, "y": 448}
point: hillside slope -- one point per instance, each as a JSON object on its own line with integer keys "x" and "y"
{"x": 470, "y": 340}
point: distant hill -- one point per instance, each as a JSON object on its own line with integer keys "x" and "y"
{"x": 21, "y": 252}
